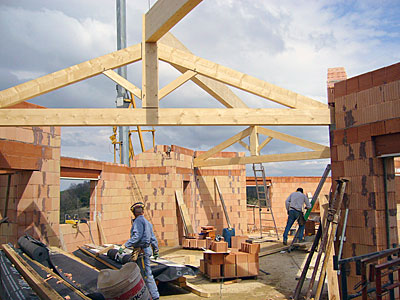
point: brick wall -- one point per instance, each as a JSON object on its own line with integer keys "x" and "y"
{"x": 156, "y": 174}
{"x": 32, "y": 156}
{"x": 281, "y": 188}
{"x": 365, "y": 107}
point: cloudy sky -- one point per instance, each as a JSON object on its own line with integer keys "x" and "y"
{"x": 287, "y": 43}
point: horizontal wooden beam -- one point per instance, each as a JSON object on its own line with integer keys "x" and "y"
{"x": 173, "y": 85}
{"x": 291, "y": 139}
{"x": 59, "y": 79}
{"x": 263, "y": 158}
{"x": 114, "y": 76}
{"x": 236, "y": 79}
{"x": 216, "y": 89}
{"x": 164, "y": 15}
{"x": 163, "y": 117}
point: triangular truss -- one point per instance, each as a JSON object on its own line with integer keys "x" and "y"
{"x": 158, "y": 44}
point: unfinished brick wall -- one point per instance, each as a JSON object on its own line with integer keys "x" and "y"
{"x": 154, "y": 177}
{"x": 281, "y": 188}
{"x": 365, "y": 107}
{"x": 31, "y": 155}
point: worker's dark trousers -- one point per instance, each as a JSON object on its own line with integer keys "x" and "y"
{"x": 293, "y": 216}
{"x": 144, "y": 264}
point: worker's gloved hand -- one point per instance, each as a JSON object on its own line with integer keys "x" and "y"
{"x": 121, "y": 250}
{"x": 156, "y": 254}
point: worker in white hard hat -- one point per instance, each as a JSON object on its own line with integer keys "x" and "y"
{"x": 142, "y": 236}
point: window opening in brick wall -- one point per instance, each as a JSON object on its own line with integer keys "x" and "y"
{"x": 75, "y": 196}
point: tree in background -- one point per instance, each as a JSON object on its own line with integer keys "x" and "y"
{"x": 75, "y": 200}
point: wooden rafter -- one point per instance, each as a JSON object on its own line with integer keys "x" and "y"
{"x": 169, "y": 88}
{"x": 114, "y": 76}
{"x": 162, "y": 117}
{"x": 264, "y": 143}
{"x": 236, "y": 79}
{"x": 263, "y": 158}
{"x": 164, "y": 15}
{"x": 225, "y": 144}
{"x": 59, "y": 79}
{"x": 244, "y": 145}
{"x": 291, "y": 139}
{"x": 216, "y": 89}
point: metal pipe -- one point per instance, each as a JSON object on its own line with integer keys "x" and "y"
{"x": 121, "y": 92}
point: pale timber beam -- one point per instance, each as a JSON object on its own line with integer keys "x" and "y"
{"x": 164, "y": 15}
{"x": 169, "y": 88}
{"x": 216, "y": 89}
{"x": 225, "y": 144}
{"x": 59, "y": 79}
{"x": 114, "y": 76}
{"x": 162, "y": 117}
{"x": 149, "y": 71}
{"x": 264, "y": 143}
{"x": 291, "y": 139}
{"x": 254, "y": 141}
{"x": 244, "y": 145}
{"x": 263, "y": 158}
{"x": 236, "y": 79}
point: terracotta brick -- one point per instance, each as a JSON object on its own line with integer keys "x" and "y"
{"x": 378, "y": 128}
{"x": 379, "y": 77}
{"x": 340, "y": 88}
{"x": 365, "y": 81}
{"x": 352, "y": 135}
{"x": 352, "y": 85}
{"x": 229, "y": 270}
{"x": 393, "y": 72}
{"x": 392, "y": 126}
{"x": 214, "y": 271}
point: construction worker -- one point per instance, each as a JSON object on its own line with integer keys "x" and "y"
{"x": 142, "y": 236}
{"x": 294, "y": 207}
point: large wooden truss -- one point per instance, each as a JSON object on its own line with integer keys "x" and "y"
{"x": 157, "y": 44}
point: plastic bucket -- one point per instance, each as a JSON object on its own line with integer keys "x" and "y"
{"x": 123, "y": 284}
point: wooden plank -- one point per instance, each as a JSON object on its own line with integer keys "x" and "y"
{"x": 254, "y": 141}
{"x": 64, "y": 282}
{"x": 216, "y": 89}
{"x": 104, "y": 250}
{"x": 169, "y": 88}
{"x": 184, "y": 213}
{"x": 262, "y": 158}
{"x": 236, "y": 79}
{"x": 244, "y": 145}
{"x": 164, "y": 15}
{"x": 163, "y": 117}
{"x": 223, "y": 203}
{"x": 273, "y": 251}
{"x": 196, "y": 290}
{"x": 42, "y": 288}
{"x": 103, "y": 239}
{"x": 291, "y": 139}
{"x": 224, "y": 145}
{"x": 59, "y": 79}
{"x": 98, "y": 258}
{"x": 114, "y": 76}
{"x": 264, "y": 143}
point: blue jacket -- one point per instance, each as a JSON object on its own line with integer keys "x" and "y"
{"x": 142, "y": 234}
